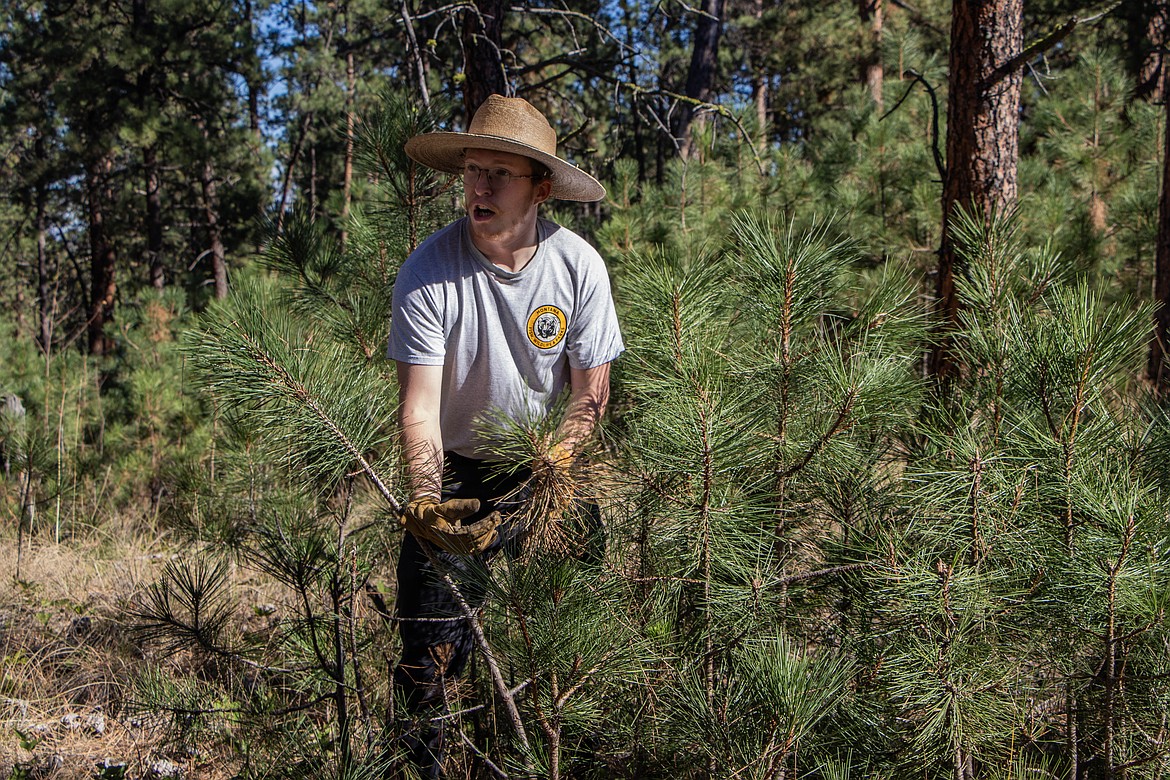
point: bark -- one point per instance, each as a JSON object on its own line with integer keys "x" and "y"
{"x": 18, "y": 308}
{"x": 760, "y": 86}
{"x": 629, "y": 24}
{"x": 146, "y": 98}
{"x": 417, "y": 63}
{"x": 211, "y": 219}
{"x": 483, "y": 63}
{"x": 872, "y": 73}
{"x": 760, "y": 100}
{"x": 701, "y": 74}
{"x": 45, "y": 297}
{"x": 350, "y": 125}
{"x": 1157, "y": 370}
{"x": 154, "y": 219}
{"x": 293, "y": 159}
{"x": 1147, "y": 23}
{"x": 254, "y": 84}
{"x": 982, "y": 142}
{"x": 313, "y": 179}
{"x": 103, "y": 257}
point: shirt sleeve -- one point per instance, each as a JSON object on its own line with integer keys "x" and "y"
{"x": 594, "y": 336}
{"x": 416, "y": 325}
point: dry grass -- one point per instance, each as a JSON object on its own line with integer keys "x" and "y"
{"x": 67, "y": 661}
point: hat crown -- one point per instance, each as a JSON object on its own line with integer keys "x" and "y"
{"x": 512, "y": 125}
{"x": 514, "y": 119}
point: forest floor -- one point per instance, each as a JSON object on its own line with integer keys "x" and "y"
{"x": 69, "y": 660}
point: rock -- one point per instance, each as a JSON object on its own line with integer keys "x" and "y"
{"x": 162, "y": 769}
{"x": 111, "y": 769}
{"x": 95, "y": 722}
{"x": 16, "y": 706}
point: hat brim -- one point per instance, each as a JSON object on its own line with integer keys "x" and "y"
{"x": 443, "y": 151}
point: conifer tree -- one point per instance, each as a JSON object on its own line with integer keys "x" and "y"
{"x": 1016, "y": 592}
{"x": 307, "y": 475}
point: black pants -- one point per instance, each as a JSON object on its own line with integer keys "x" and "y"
{"x": 437, "y": 640}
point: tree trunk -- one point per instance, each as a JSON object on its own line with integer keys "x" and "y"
{"x": 1146, "y": 25}
{"x": 872, "y": 74}
{"x": 1157, "y": 370}
{"x": 154, "y": 219}
{"x": 103, "y": 258}
{"x": 211, "y": 219}
{"x": 313, "y": 180}
{"x": 982, "y": 141}
{"x": 632, "y": 147}
{"x": 483, "y": 64}
{"x": 254, "y": 83}
{"x": 293, "y": 159}
{"x": 701, "y": 75}
{"x": 45, "y": 298}
{"x": 350, "y": 126}
{"x": 760, "y": 84}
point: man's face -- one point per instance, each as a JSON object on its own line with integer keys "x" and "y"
{"x": 497, "y": 211}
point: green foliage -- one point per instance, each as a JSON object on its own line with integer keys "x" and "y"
{"x": 293, "y": 364}
{"x": 815, "y": 567}
{"x": 82, "y": 441}
{"x": 1031, "y": 545}
{"x": 1089, "y": 157}
{"x": 301, "y": 395}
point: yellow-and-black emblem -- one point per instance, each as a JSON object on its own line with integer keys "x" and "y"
{"x": 547, "y": 326}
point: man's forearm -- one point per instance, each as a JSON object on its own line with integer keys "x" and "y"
{"x": 588, "y": 397}
{"x": 422, "y": 437}
{"x": 423, "y": 450}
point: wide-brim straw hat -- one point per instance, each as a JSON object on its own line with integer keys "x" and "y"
{"x": 513, "y": 125}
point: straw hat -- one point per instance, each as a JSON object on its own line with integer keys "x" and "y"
{"x": 504, "y": 124}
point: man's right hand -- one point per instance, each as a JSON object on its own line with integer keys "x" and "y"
{"x": 440, "y": 524}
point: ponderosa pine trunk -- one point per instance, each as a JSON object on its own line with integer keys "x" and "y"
{"x": 760, "y": 78}
{"x": 215, "y": 246}
{"x": 982, "y": 145}
{"x": 872, "y": 72}
{"x": 483, "y": 65}
{"x": 154, "y": 218}
{"x": 214, "y": 233}
{"x": 45, "y": 297}
{"x": 103, "y": 257}
{"x": 1147, "y": 23}
{"x": 1157, "y": 370}
{"x": 254, "y": 83}
{"x": 350, "y": 126}
{"x": 702, "y": 71}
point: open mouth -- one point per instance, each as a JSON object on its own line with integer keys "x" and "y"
{"x": 482, "y": 212}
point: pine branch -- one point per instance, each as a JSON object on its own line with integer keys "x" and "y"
{"x": 1047, "y": 42}
{"x": 918, "y": 78}
{"x": 481, "y": 641}
{"x": 302, "y": 394}
{"x": 837, "y": 426}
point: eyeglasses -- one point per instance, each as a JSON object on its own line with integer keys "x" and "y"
{"x": 497, "y": 178}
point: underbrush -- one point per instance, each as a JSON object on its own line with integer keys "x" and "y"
{"x": 76, "y": 674}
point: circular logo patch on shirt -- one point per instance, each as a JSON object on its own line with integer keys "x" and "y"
{"x": 547, "y": 326}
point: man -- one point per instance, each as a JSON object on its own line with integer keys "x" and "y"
{"x": 496, "y": 316}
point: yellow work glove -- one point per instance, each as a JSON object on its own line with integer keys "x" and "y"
{"x": 440, "y": 524}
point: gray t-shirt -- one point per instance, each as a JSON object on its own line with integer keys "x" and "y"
{"x": 505, "y": 340}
